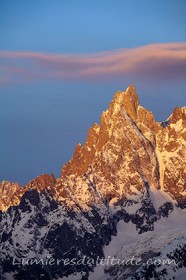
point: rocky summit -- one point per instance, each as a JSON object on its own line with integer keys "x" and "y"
{"x": 121, "y": 195}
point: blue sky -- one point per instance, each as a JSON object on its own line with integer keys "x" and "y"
{"x": 89, "y": 26}
{"x": 47, "y": 103}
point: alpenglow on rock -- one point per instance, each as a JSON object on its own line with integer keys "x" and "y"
{"x": 125, "y": 186}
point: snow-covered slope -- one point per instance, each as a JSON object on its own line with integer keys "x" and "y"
{"x": 154, "y": 249}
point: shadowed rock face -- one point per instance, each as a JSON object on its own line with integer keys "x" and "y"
{"x": 108, "y": 179}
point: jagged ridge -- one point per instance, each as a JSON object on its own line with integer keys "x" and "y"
{"x": 126, "y": 131}
{"x": 126, "y": 163}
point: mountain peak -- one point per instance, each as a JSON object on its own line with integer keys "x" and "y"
{"x": 131, "y": 89}
{"x": 178, "y": 114}
{"x": 127, "y": 100}
{"x": 123, "y": 113}
{"x": 124, "y": 103}
{"x": 131, "y": 101}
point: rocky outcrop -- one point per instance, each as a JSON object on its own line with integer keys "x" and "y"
{"x": 171, "y": 147}
{"x": 11, "y": 193}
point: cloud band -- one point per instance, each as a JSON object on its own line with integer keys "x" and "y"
{"x": 154, "y": 62}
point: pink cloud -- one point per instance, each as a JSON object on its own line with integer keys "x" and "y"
{"x": 154, "y": 62}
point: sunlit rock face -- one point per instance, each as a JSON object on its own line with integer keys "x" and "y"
{"x": 171, "y": 145}
{"x": 131, "y": 168}
{"x": 129, "y": 146}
